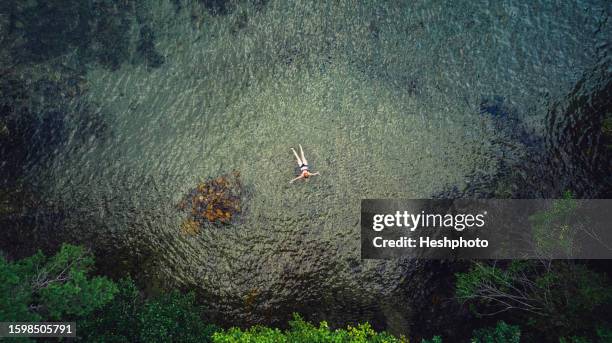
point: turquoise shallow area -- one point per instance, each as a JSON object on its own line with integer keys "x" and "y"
{"x": 384, "y": 96}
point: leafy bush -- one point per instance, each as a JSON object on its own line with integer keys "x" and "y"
{"x": 555, "y": 230}
{"x": 562, "y": 298}
{"x": 501, "y": 333}
{"x": 434, "y": 339}
{"x": 41, "y": 288}
{"x": 172, "y": 317}
{"x": 57, "y": 288}
{"x": 301, "y": 331}
{"x": 603, "y": 335}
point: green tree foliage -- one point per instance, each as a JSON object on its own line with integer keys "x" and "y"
{"x": 555, "y": 230}
{"x": 15, "y": 293}
{"x": 561, "y": 298}
{"x": 501, "y": 333}
{"x": 302, "y": 331}
{"x": 52, "y": 288}
{"x": 172, "y": 317}
{"x": 39, "y": 288}
{"x": 604, "y": 335}
{"x": 434, "y": 339}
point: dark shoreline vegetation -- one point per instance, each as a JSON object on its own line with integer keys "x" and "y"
{"x": 562, "y": 301}
{"x": 43, "y": 276}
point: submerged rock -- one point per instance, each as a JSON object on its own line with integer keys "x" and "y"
{"x": 215, "y": 201}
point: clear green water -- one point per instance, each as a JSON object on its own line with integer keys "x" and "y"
{"x": 384, "y": 97}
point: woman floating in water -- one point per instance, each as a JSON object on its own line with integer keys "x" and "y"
{"x": 303, "y": 164}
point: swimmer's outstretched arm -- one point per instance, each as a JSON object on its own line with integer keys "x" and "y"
{"x": 313, "y": 174}
{"x": 297, "y": 178}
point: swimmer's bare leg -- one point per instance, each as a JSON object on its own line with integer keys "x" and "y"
{"x": 303, "y": 158}
{"x": 299, "y": 161}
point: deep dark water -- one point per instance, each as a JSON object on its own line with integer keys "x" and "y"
{"x": 98, "y": 31}
{"x": 572, "y": 152}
